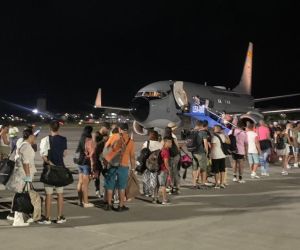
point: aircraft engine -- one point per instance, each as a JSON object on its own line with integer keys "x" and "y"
{"x": 252, "y": 116}
{"x": 139, "y": 129}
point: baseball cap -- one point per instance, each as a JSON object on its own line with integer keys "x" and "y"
{"x": 124, "y": 126}
{"x": 172, "y": 125}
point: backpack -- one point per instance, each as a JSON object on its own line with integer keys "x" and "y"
{"x": 141, "y": 159}
{"x": 154, "y": 161}
{"x": 112, "y": 154}
{"x": 191, "y": 141}
{"x": 280, "y": 144}
{"x": 232, "y": 146}
{"x": 224, "y": 146}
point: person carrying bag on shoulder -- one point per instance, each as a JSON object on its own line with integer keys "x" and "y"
{"x": 53, "y": 149}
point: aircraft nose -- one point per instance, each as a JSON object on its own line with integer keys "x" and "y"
{"x": 140, "y": 108}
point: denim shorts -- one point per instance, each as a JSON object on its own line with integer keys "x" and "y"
{"x": 84, "y": 169}
{"x": 253, "y": 158}
{"x": 116, "y": 178}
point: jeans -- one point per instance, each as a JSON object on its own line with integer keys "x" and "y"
{"x": 264, "y": 164}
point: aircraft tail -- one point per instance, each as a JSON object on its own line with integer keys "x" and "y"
{"x": 244, "y": 87}
{"x": 98, "y": 101}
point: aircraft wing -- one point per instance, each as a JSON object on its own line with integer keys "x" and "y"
{"x": 274, "y": 97}
{"x": 276, "y": 111}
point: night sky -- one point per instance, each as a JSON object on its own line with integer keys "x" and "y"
{"x": 66, "y": 50}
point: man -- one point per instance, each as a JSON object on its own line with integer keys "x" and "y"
{"x": 122, "y": 147}
{"x": 200, "y": 155}
{"x": 218, "y": 157}
{"x": 53, "y": 149}
{"x": 239, "y": 156}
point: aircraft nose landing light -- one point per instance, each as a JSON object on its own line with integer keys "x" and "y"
{"x": 140, "y": 108}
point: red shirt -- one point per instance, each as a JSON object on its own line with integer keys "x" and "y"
{"x": 165, "y": 154}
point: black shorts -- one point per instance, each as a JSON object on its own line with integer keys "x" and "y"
{"x": 218, "y": 165}
{"x": 237, "y": 156}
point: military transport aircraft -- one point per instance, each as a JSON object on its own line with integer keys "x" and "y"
{"x": 159, "y": 103}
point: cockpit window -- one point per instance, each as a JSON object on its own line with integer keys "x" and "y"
{"x": 152, "y": 94}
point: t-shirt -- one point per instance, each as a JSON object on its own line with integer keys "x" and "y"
{"x": 251, "y": 136}
{"x": 58, "y": 144}
{"x": 165, "y": 154}
{"x": 200, "y": 144}
{"x": 216, "y": 151}
{"x": 241, "y": 140}
{"x": 26, "y": 154}
{"x": 263, "y": 133}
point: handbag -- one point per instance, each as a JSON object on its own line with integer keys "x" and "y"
{"x": 6, "y": 169}
{"x": 22, "y": 202}
{"x": 58, "y": 176}
{"x": 133, "y": 188}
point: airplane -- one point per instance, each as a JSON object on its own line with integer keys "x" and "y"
{"x": 162, "y": 102}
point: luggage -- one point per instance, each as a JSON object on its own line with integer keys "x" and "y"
{"x": 133, "y": 187}
{"x": 58, "y": 176}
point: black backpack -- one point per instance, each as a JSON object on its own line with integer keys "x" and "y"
{"x": 141, "y": 160}
{"x": 191, "y": 141}
{"x": 232, "y": 146}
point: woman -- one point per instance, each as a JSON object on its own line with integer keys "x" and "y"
{"x": 150, "y": 178}
{"x": 84, "y": 167}
{"x": 282, "y": 148}
{"x": 24, "y": 172}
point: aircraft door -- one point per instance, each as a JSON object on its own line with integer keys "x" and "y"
{"x": 180, "y": 95}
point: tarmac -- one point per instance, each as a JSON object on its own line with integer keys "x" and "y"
{"x": 260, "y": 214}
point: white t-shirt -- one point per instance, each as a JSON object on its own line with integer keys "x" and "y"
{"x": 251, "y": 135}
{"x": 216, "y": 151}
{"x": 153, "y": 145}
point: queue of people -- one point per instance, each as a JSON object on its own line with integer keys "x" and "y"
{"x": 111, "y": 151}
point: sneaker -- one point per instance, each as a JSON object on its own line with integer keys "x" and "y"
{"x": 165, "y": 203}
{"x": 241, "y": 181}
{"x": 88, "y": 205}
{"x": 155, "y": 201}
{"x": 267, "y": 174}
{"x": 208, "y": 184}
{"x": 20, "y": 224}
{"x": 45, "y": 221}
{"x": 108, "y": 207}
{"x": 235, "y": 179}
{"x": 30, "y": 220}
{"x": 296, "y": 165}
{"x": 263, "y": 174}
{"x": 254, "y": 175}
{"x": 121, "y": 209}
{"x": 217, "y": 186}
{"x": 284, "y": 173}
{"x": 61, "y": 220}
{"x": 98, "y": 194}
{"x": 222, "y": 186}
{"x": 11, "y": 216}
